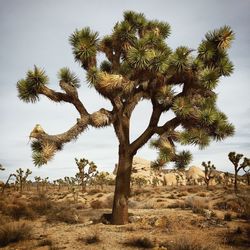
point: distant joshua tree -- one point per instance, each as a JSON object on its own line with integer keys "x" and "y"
{"x": 209, "y": 171}
{"x": 139, "y": 65}
{"x": 87, "y": 171}
{"x": 21, "y": 178}
{"x": 235, "y": 159}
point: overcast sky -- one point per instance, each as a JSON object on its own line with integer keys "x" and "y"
{"x": 36, "y": 32}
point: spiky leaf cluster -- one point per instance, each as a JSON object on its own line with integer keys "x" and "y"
{"x": 84, "y": 45}
{"x": 28, "y": 88}
{"x": 69, "y": 77}
{"x": 182, "y": 159}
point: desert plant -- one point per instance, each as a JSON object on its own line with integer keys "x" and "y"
{"x": 235, "y": 159}
{"x": 21, "y": 178}
{"x": 87, "y": 171}
{"x": 140, "y": 242}
{"x": 139, "y": 66}
{"x": 139, "y": 181}
{"x": 209, "y": 172}
{"x": 38, "y": 180}
{"x": 101, "y": 179}
{"x": 14, "y": 232}
{"x": 155, "y": 182}
{"x": 6, "y": 183}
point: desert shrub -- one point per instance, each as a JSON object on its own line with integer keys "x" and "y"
{"x": 92, "y": 238}
{"x": 63, "y": 214}
{"x": 196, "y": 204}
{"x": 172, "y": 196}
{"x": 96, "y": 204}
{"x": 189, "y": 242}
{"x": 41, "y": 204}
{"x": 227, "y": 217}
{"x": 194, "y": 189}
{"x": 18, "y": 209}
{"x": 99, "y": 195}
{"x": 14, "y": 232}
{"x": 178, "y": 204}
{"x": 181, "y": 194}
{"x": 94, "y": 191}
{"x": 238, "y": 237}
{"x": 140, "y": 242}
{"x": 45, "y": 242}
{"x": 202, "y": 194}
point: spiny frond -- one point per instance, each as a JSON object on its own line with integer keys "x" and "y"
{"x": 223, "y": 37}
{"x": 165, "y": 95}
{"x": 106, "y": 66}
{"x": 223, "y": 130}
{"x": 124, "y": 32}
{"x": 207, "y": 116}
{"x": 206, "y": 50}
{"x": 36, "y": 146}
{"x": 28, "y": 88}
{"x": 182, "y": 159}
{"x": 69, "y": 77}
{"x": 26, "y": 92}
{"x": 182, "y": 107}
{"x": 225, "y": 66}
{"x": 139, "y": 57}
{"x": 92, "y": 76}
{"x": 159, "y": 28}
{"x": 136, "y": 20}
{"x": 84, "y": 43}
{"x": 180, "y": 61}
{"x": 196, "y": 137}
{"x": 209, "y": 78}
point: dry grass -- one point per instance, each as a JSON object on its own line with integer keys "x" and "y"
{"x": 18, "y": 209}
{"x": 14, "y": 232}
{"x": 140, "y": 242}
{"x": 238, "y": 237}
{"x": 63, "y": 214}
{"x": 190, "y": 242}
{"x": 93, "y": 238}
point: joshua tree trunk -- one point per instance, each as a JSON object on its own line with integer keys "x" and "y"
{"x": 235, "y": 181}
{"x": 122, "y": 188}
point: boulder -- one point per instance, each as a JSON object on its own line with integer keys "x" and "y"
{"x": 170, "y": 179}
{"x": 195, "y": 175}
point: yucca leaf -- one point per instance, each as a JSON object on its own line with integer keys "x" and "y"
{"x": 69, "y": 77}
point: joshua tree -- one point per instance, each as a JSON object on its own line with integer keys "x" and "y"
{"x": 209, "y": 172}
{"x": 139, "y": 66}
{"x": 87, "y": 171}
{"x": 235, "y": 159}
{"x": 101, "y": 179}
{"x": 38, "y": 180}
{"x": 21, "y": 178}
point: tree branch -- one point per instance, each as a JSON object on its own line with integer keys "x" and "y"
{"x": 173, "y": 123}
{"x": 149, "y": 131}
{"x": 66, "y": 97}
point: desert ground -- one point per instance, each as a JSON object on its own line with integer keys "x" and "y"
{"x": 164, "y": 217}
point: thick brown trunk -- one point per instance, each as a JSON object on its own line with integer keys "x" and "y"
{"x": 122, "y": 188}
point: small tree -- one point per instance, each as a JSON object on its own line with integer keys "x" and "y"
{"x": 235, "y": 159}
{"x": 38, "y": 180}
{"x": 21, "y": 178}
{"x": 87, "y": 171}
{"x": 139, "y": 65}
{"x": 209, "y": 172}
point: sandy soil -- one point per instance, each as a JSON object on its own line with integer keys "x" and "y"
{"x": 163, "y": 215}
